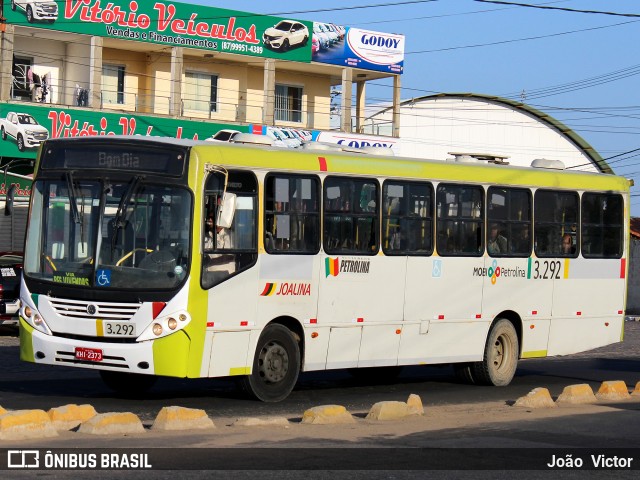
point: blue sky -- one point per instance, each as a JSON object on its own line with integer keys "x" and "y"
{"x": 580, "y": 68}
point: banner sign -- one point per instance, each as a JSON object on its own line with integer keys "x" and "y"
{"x": 170, "y": 23}
{"x": 64, "y": 123}
{"x": 22, "y": 183}
{"x": 354, "y": 47}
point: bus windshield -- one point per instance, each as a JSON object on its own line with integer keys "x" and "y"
{"x": 124, "y": 235}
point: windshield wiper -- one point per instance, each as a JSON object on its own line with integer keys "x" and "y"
{"x": 73, "y": 197}
{"x": 120, "y": 219}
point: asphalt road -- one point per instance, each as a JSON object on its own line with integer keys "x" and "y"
{"x": 28, "y": 386}
{"x": 603, "y": 429}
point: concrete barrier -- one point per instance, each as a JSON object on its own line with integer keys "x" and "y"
{"x": 2, "y": 411}
{"x": 536, "y": 398}
{"x": 262, "y": 422}
{"x": 388, "y": 410}
{"x": 414, "y": 402}
{"x": 576, "y": 394}
{"x": 327, "y": 415}
{"x": 636, "y": 391}
{"x": 179, "y": 418}
{"x": 112, "y": 424}
{"x": 26, "y": 424}
{"x": 70, "y": 416}
{"x": 613, "y": 390}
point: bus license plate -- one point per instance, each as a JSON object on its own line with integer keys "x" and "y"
{"x": 89, "y": 354}
{"x": 118, "y": 329}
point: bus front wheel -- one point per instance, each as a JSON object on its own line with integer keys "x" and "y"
{"x": 128, "y": 384}
{"x": 276, "y": 365}
{"x": 500, "y": 359}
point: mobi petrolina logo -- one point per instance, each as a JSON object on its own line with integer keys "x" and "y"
{"x": 286, "y": 289}
{"x": 335, "y": 266}
{"x": 494, "y": 272}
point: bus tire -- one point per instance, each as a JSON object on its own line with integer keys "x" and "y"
{"x": 464, "y": 372}
{"x": 500, "y": 359}
{"x": 128, "y": 384}
{"x": 276, "y": 365}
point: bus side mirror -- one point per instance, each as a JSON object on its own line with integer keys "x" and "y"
{"x": 8, "y": 206}
{"x": 226, "y": 211}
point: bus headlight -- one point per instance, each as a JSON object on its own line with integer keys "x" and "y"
{"x": 33, "y": 318}
{"x": 166, "y": 325}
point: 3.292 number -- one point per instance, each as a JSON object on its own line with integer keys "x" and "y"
{"x": 547, "y": 270}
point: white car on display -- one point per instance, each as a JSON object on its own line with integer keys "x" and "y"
{"x": 285, "y": 35}
{"x": 26, "y": 131}
{"x": 42, "y": 10}
{"x": 225, "y": 135}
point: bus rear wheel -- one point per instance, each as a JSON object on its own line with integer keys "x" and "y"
{"x": 500, "y": 359}
{"x": 128, "y": 384}
{"x": 276, "y": 365}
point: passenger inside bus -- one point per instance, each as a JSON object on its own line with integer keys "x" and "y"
{"x": 497, "y": 243}
{"x": 567, "y": 245}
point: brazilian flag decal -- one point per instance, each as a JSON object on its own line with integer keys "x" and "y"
{"x": 269, "y": 288}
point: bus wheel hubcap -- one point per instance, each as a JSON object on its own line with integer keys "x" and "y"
{"x": 499, "y": 350}
{"x": 274, "y": 362}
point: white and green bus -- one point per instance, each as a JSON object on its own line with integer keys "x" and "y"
{"x": 150, "y": 257}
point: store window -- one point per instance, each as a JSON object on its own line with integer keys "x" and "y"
{"x": 113, "y": 84}
{"x": 200, "y": 92}
{"x": 288, "y": 106}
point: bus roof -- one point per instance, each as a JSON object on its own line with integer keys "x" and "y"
{"x": 228, "y": 154}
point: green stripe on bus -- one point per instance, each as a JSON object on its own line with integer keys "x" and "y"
{"x": 529, "y": 269}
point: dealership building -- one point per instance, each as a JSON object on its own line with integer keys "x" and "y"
{"x": 174, "y": 69}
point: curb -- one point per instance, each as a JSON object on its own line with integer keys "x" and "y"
{"x": 180, "y": 418}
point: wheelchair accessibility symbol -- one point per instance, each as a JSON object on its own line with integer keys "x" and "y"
{"x": 103, "y": 278}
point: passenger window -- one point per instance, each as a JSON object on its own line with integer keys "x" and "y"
{"x": 602, "y": 225}
{"x": 509, "y": 222}
{"x": 556, "y": 224}
{"x": 460, "y": 220}
{"x": 407, "y": 218}
{"x": 292, "y": 214}
{"x": 350, "y": 216}
{"x": 232, "y": 246}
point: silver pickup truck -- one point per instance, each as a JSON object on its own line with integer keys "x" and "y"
{"x": 26, "y": 131}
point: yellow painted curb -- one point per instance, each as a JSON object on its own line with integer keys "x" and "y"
{"x": 613, "y": 390}
{"x": 327, "y": 415}
{"x": 70, "y": 416}
{"x": 636, "y": 392}
{"x": 414, "y": 402}
{"x": 112, "y": 424}
{"x": 24, "y": 424}
{"x": 576, "y": 394}
{"x": 536, "y": 398}
{"x": 180, "y": 418}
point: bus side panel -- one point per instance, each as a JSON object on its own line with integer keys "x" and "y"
{"x": 576, "y": 334}
{"x": 232, "y": 307}
{"x": 288, "y": 287}
{"x": 601, "y": 285}
{"x": 508, "y": 283}
{"x": 379, "y": 345}
{"x": 344, "y": 346}
{"x": 593, "y": 318}
{"x": 361, "y": 292}
{"x": 229, "y": 353}
{"x": 447, "y": 292}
